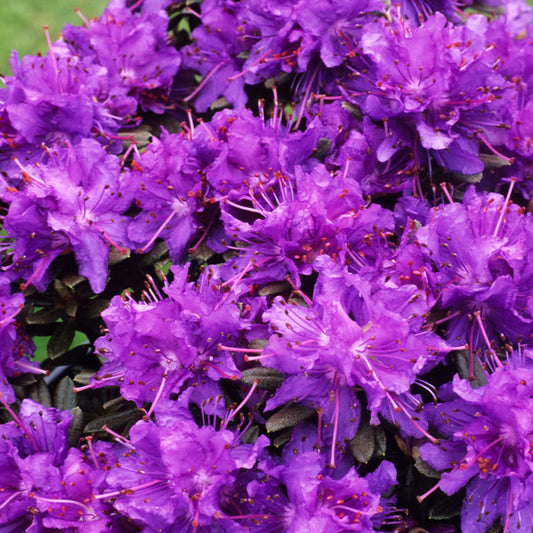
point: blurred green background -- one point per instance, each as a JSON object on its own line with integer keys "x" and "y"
{"x": 22, "y": 21}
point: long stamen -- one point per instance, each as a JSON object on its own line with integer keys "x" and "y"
{"x": 87, "y": 510}
{"x": 19, "y": 422}
{"x": 256, "y": 62}
{"x": 157, "y": 396}
{"x": 509, "y": 160}
{"x": 505, "y": 204}
{"x": 233, "y": 412}
{"x": 121, "y": 249}
{"x": 211, "y": 73}
{"x": 53, "y": 56}
{"x": 445, "y": 191}
{"x": 486, "y": 338}
{"x": 305, "y": 98}
{"x": 127, "y": 491}
{"x": 335, "y": 428}
{"x": 158, "y": 232}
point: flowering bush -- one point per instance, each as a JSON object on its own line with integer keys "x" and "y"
{"x": 297, "y": 239}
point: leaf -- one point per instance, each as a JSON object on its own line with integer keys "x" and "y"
{"x": 495, "y": 161}
{"x": 288, "y": 416}
{"x": 40, "y": 393}
{"x": 423, "y": 467}
{"x": 46, "y": 315}
{"x": 469, "y": 178}
{"x": 65, "y": 398}
{"x": 271, "y": 289}
{"x": 84, "y": 377}
{"x": 61, "y": 339}
{"x": 76, "y": 427}
{"x": 461, "y": 358}
{"x": 446, "y": 508}
{"x": 269, "y": 379}
{"x": 363, "y": 445}
{"x": 381, "y": 441}
{"x": 114, "y": 421}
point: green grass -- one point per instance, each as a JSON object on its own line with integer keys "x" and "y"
{"x": 22, "y": 21}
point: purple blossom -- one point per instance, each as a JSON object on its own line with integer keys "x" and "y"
{"x": 169, "y": 195}
{"x": 133, "y": 48}
{"x": 173, "y": 476}
{"x": 300, "y": 492}
{"x": 442, "y": 82}
{"x": 75, "y": 201}
{"x": 15, "y": 347}
{"x": 52, "y": 99}
{"x": 42, "y": 473}
{"x": 351, "y": 336}
{"x": 480, "y": 254}
{"x": 488, "y": 446}
{"x": 215, "y": 53}
{"x": 155, "y": 346}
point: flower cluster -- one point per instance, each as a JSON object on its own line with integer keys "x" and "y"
{"x": 297, "y": 239}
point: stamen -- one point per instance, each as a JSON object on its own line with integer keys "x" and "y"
{"x": 89, "y": 440}
{"x": 82, "y": 16}
{"x": 509, "y": 160}
{"x": 504, "y": 208}
{"x": 157, "y": 396}
{"x": 445, "y": 191}
{"x": 320, "y": 413}
{"x": 486, "y": 338}
{"x": 256, "y": 62}
{"x": 335, "y": 426}
{"x": 121, "y": 249}
{"x": 53, "y": 56}
{"x": 158, "y": 232}
{"x": 19, "y": 422}
{"x": 123, "y": 492}
{"x": 233, "y": 412}
{"x": 34, "y": 370}
{"x": 211, "y": 73}
{"x": 305, "y": 98}
{"x": 118, "y": 438}
{"x": 237, "y": 349}
{"x": 87, "y": 510}
{"x": 136, "y": 5}
{"x": 425, "y": 495}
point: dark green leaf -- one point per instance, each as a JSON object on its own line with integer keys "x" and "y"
{"x": 269, "y": 379}
{"x": 115, "y": 421}
{"x": 46, "y": 315}
{"x": 60, "y": 340}
{"x": 65, "y": 398}
{"x": 288, "y": 416}
{"x": 76, "y": 427}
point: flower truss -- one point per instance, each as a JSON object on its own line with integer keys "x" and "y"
{"x": 268, "y": 267}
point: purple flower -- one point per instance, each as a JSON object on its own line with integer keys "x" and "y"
{"x": 14, "y": 347}
{"x": 489, "y": 443}
{"x": 135, "y": 52}
{"x": 300, "y": 493}
{"x": 173, "y": 476}
{"x": 442, "y": 83}
{"x": 351, "y": 336}
{"x": 215, "y": 53}
{"x": 75, "y": 201}
{"x": 479, "y": 254}
{"x": 169, "y": 195}
{"x": 51, "y": 99}
{"x": 417, "y": 11}
{"x": 153, "y": 347}
{"x": 41, "y": 473}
